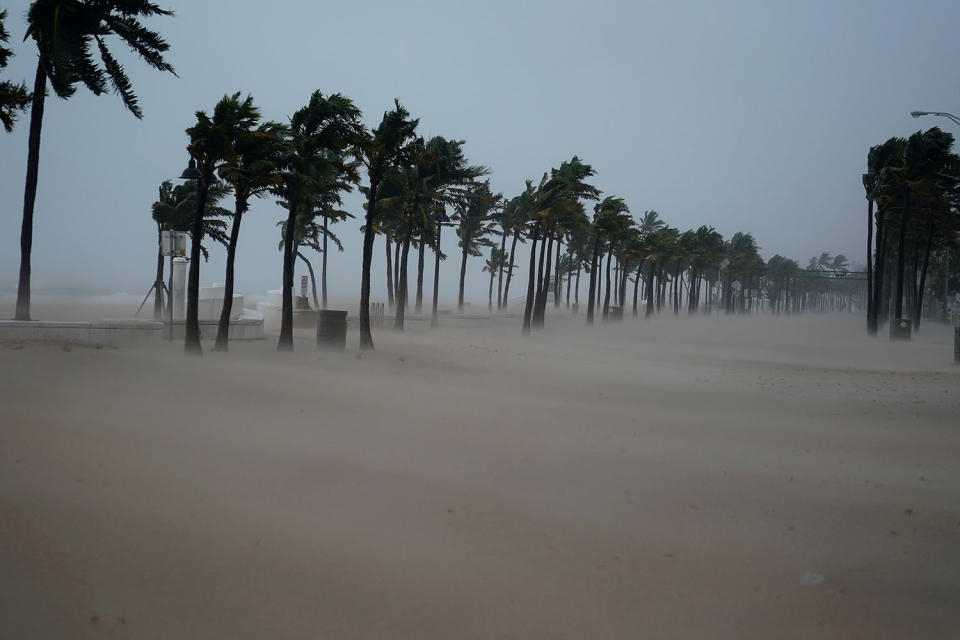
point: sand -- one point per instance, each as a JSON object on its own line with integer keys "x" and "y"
{"x": 679, "y": 478}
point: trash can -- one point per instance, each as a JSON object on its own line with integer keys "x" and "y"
{"x": 901, "y": 329}
{"x": 331, "y": 330}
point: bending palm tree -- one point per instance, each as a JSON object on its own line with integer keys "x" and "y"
{"x": 319, "y": 135}
{"x": 66, "y": 32}
{"x": 255, "y": 171}
{"x": 379, "y": 150}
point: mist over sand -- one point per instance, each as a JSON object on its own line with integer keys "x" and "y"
{"x": 707, "y": 477}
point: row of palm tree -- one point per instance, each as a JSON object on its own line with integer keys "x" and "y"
{"x": 414, "y": 187}
{"x": 913, "y": 197}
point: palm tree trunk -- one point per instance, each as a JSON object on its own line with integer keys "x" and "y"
{"x": 158, "y": 281}
{"x": 900, "y": 255}
{"x": 506, "y": 286}
{"x": 323, "y": 266}
{"x": 285, "y": 343}
{"x": 366, "y": 338}
{"x": 490, "y": 289}
{"x": 593, "y": 278}
{"x": 418, "y": 308}
{"x": 923, "y": 277}
{"x": 539, "y": 285}
{"x": 576, "y": 292}
{"x": 878, "y": 268}
{"x": 396, "y": 270}
{"x": 434, "y": 321}
{"x": 191, "y": 332}
{"x": 871, "y": 324}
{"x": 649, "y": 291}
{"x": 390, "y": 301}
{"x": 606, "y": 295}
{"x": 528, "y": 303}
{"x": 313, "y": 279}
{"x": 556, "y": 279}
{"x": 30, "y": 192}
{"x": 223, "y": 327}
{"x": 569, "y": 282}
{"x": 541, "y": 308}
{"x": 677, "y": 288}
{"x": 636, "y": 287}
{"x": 463, "y": 271}
{"x": 402, "y": 297}
{"x": 624, "y": 276}
{"x": 503, "y": 247}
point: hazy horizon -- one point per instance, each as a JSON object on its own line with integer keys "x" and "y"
{"x": 753, "y": 118}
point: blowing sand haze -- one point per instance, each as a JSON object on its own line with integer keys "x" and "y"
{"x": 702, "y": 479}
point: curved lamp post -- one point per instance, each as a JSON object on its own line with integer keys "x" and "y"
{"x": 917, "y": 114}
{"x": 191, "y": 330}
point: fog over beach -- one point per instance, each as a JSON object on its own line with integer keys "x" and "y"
{"x": 479, "y": 320}
{"x": 722, "y": 477}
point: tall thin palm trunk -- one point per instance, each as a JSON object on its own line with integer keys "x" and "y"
{"x": 313, "y": 279}
{"x": 323, "y": 266}
{"x": 557, "y": 279}
{"x": 366, "y": 338}
{"x": 223, "y": 327}
{"x": 871, "y": 318}
{"x": 540, "y": 310}
{"x": 649, "y": 291}
{"x": 592, "y": 294}
{"x": 898, "y": 301}
{"x": 191, "y": 330}
{"x": 606, "y": 295}
{"x": 506, "y": 286}
{"x": 923, "y": 277}
{"x": 436, "y": 275}
{"x": 390, "y": 300}
{"x": 402, "y": 298}
{"x": 636, "y": 287}
{"x": 528, "y": 303}
{"x": 285, "y": 343}
{"x": 500, "y": 267}
{"x": 397, "y": 246}
{"x": 158, "y": 280}
{"x": 418, "y": 308}
{"x": 463, "y": 271}
{"x": 576, "y": 292}
{"x": 30, "y": 192}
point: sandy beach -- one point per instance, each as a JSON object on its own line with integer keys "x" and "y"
{"x": 706, "y": 477}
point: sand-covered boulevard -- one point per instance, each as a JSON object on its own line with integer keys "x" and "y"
{"x": 690, "y": 477}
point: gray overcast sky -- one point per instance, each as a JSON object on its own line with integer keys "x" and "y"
{"x": 748, "y": 116}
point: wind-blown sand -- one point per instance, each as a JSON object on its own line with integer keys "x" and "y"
{"x": 679, "y": 478}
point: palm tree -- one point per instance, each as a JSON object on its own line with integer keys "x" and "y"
{"x": 257, "y": 156}
{"x": 13, "y": 97}
{"x": 521, "y": 208}
{"x": 379, "y": 150}
{"x": 473, "y": 220}
{"x": 883, "y": 162}
{"x": 558, "y": 204}
{"x": 212, "y": 149}
{"x": 66, "y": 32}
{"x": 315, "y": 164}
{"x": 608, "y": 215}
{"x": 175, "y": 210}
{"x": 494, "y": 265}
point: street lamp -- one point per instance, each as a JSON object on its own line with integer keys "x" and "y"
{"x": 190, "y": 173}
{"x": 917, "y": 114}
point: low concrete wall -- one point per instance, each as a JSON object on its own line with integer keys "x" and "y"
{"x": 240, "y": 329}
{"x": 110, "y": 333}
